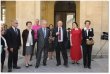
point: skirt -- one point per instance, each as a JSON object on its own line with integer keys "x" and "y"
{"x": 51, "y": 47}
{"x": 28, "y": 50}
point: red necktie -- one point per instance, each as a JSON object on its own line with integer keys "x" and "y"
{"x": 59, "y": 34}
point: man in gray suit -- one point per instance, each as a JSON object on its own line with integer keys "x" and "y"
{"x": 42, "y": 43}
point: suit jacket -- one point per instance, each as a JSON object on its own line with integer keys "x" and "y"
{"x": 84, "y": 35}
{"x": 41, "y": 40}
{"x": 24, "y": 37}
{"x": 56, "y": 37}
{"x": 13, "y": 39}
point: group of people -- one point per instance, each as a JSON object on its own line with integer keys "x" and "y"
{"x": 46, "y": 40}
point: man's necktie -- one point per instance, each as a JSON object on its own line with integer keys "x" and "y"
{"x": 59, "y": 34}
{"x": 44, "y": 32}
{"x": 16, "y": 31}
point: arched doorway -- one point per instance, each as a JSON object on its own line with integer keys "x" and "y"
{"x": 66, "y": 12}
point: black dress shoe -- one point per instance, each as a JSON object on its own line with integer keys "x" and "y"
{"x": 58, "y": 64}
{"x": 29, "y": 64}
{"x": 66, "y": 65}
{"x": 44, "y": 64}
{"x": 10, "y": 70}
{"x": 85, "y": 66}
{"x": 17, "y": 67}
{"x": 77, "y": 63}
{"x": 36, "y": 66}
{"x": 89, "y": 67}
{"x": 73, "y": 62}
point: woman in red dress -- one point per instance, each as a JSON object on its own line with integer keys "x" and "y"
{"x": 75, "y": 41}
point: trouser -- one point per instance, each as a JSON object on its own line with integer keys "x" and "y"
{"x": 12, "y": 58}
{"x": 39, "y": 55}
{"x": 33, "y": 49}
{"x": 87, "y": 51}
{"x": 63, "y": 50}
{"x": 2, "y": 59}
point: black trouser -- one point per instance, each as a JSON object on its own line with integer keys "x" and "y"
{"x": 33, "y": 49}
{"x": 63, "y": 50}
{"x": 12, "y": 58}
{"x": 39, "y": 55}
{"x": 2, "y": 59}
{"x": 87, "y": 51}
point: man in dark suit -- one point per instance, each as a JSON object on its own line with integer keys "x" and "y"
{"x": 42, "y": 43}
{"x": 60, "y": 35}
{"x": 14, "y": 42}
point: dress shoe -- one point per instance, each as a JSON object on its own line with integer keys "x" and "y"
{"x": 73, "y": 62}
{"x": 58, "y": 64}
{"x": 85, "y": 66}
{"x": 66, "y": 65}
{"x": 17, "y": 67}
{"x": 36, "y": 66}
{"x": 77, "y": 63}
{"x": 89, "y": 67}
{"x": 10, "y": 70}
{"x": 44, "y": 64}
{"x": 29, "y": 64}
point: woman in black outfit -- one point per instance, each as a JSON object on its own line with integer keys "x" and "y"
{"x": 3, "y": 48}
{"x": 51, "y": 41}
{"x": 87, "y": 34}
{"x": 28, "y": 40}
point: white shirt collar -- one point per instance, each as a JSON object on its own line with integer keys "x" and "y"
{"x": 13, "y": 27}
{"x": 86, "y": 28}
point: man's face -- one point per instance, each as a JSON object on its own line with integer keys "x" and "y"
{"x": 44, "y": 24}
{"x": 37, "y": 22}
{"x": 15, "y": 23}
{"x": 60, "y": 23}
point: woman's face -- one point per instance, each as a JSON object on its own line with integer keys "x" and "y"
{"x": 29, "y": 25}
{"x": 74, "y": 25}
{"x": 87, "y": 24}
{"x": 51, "y": 26}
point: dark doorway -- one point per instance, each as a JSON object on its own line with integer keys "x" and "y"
{"x": 62, "y": 9}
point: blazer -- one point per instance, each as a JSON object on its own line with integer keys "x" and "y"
{"x": 56, "y": 36}
{"x": 41, "y": 40}
{"x": 25, "y": 37}
{"x": 84, "y": 34}
{"x": 13, "y": 39}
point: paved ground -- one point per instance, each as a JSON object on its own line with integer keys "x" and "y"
{"x": 98, "y": 65}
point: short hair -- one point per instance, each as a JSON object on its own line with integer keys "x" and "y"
{"x": 75, "y": 23}
{"x": 43, "y": 20}
{"x": 87, "y": 21}
{"x": 28, "y": 22}
{"x": 59, "y": 21}
{"x": 50, "y": 25}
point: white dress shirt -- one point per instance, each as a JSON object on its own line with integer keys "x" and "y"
{"x": 15, "y": 29}
{"x": 61, "y": 40}
{"x": 29, "y": 39}
{"x": 87, "y": 30}
{"x": 44, "y": 32}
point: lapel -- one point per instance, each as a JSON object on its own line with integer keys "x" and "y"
{"x": 42, "y": 32}
{"x": 46, "y": 32}
{"x": 13, "y": 31}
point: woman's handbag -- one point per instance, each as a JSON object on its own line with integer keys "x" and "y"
{"x": 90, "y": 42}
